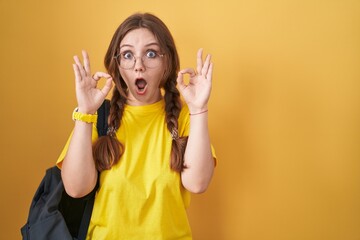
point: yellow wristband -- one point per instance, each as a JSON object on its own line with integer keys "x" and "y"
{"x": 88, "y": 118}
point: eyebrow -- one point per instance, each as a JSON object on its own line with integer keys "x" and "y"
{"x": 147, "y": 45}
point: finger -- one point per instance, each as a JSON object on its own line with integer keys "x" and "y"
{"x": 86, "y": 62}
{"x": 99, "y": 75}
{"x": 107, "y": 87}
{"x": 79, "y": 65}
{"x": 210, "y": 71}
{"x": 189, "y": 71}
{"x": 77, "y": 73}
{"x": 205, "y": 67}
{"x": 180, "y": 81}
{"x": 199, "y": 60}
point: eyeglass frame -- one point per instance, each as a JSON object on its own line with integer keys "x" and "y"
{"x": 135, "y": 59}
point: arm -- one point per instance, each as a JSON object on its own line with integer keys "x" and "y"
{"x": 78, "y": 170}
{"x": 198, "y": 157}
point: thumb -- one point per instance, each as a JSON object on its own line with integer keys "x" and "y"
{"x": 107, "y": 87}
{"x": 180, "y": 81}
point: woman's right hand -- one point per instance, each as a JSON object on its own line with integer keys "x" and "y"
{"x": 89, "y": 97}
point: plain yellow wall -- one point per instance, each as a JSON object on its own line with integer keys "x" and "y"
{"x": 284, "y": 111}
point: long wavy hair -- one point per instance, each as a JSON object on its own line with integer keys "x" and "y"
{"x": 107, "y": 150}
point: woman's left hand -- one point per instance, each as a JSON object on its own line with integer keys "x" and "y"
{"x": 197, "y": 92}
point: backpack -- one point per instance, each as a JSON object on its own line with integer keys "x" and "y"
{"x": 54, "y": 215}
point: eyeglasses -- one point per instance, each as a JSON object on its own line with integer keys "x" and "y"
{"x": 126, "y": 59}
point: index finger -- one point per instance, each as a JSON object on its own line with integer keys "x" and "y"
{"x": 99, "y": 75}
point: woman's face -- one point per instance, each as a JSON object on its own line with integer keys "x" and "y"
{"x": 142, "y": 66}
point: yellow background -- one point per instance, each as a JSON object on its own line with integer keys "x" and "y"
{"x": 284, "y": 111}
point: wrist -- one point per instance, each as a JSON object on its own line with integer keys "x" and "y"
{"x": 83, "y": 117}
{"x": 86, "y": 110}
{"x": 198, "y": 112}
{"x": 196, "y": 109}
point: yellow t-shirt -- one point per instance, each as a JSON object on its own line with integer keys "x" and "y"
{"x": 141, "y": 197}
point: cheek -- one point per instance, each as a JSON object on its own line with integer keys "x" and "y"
{"x": 125, "y": 76}
{"x": 163, "y": 76}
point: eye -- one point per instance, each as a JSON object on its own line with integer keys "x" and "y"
{"x": 151, "y": 54}
{"x": 127, "y": 55}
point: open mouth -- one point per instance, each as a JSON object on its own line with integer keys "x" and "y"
{"x": 140, "y": 85}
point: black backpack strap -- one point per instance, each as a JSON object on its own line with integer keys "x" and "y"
{"x": 85, "y": 221}
{"x": 101, "y": 125}
{"x": 102, "y": 121}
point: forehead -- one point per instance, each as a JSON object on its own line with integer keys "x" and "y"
{"x": 139, "y": 38}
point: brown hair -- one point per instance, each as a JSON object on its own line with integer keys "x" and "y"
{"x": 107, "y": 150}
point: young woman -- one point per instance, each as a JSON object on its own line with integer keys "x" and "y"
{"x": 157, "y": 150}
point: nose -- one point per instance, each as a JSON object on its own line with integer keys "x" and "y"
{"x": 139, "y": 64}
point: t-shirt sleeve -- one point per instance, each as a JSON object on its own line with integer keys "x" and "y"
{"x": 66, "y": 147}
{"x": 184, "y": 127}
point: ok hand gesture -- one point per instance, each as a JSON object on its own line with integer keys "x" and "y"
{"x": 89, "y": 97}
{"x": 197, "y": 92}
